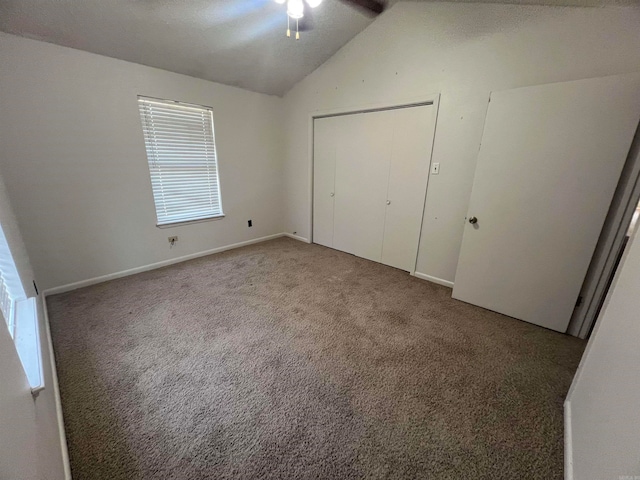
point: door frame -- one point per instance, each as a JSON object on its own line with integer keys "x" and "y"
{"x": 427, "y": 99}
{"x": 604, "y": 260}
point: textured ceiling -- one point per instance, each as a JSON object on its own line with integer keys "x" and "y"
{"x": 235, "y": 42}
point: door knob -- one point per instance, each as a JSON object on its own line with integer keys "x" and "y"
{"x": 332, "y": 194}
{"x": 473, "y": 220}
{"x": 388, "y": 202}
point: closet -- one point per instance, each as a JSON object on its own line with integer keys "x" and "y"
{"x": 370, "y": 180}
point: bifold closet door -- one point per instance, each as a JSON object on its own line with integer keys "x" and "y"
{"x": 361, "y": 177}
{"x": 412, "y": 140}
{"x": 324, "y": 169}
{"x": 370, "y": 181}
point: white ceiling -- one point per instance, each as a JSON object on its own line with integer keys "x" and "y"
{"x": 235, "y": 42}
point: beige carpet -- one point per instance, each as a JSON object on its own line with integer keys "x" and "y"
{"x": 291, "y": 361}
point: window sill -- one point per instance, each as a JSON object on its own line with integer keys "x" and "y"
{"x": 27, "y": 341}
{"x": 189, "y": 222}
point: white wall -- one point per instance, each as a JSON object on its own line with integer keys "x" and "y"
{"x": 80, "y": 181}
{"x": 73, "y": 159}
{"x": 17, "y": 415}
{"x": 29, "y": 436}
{"x": 602, "y": 406}
{"x": 462, "y": 51}
{"x": 17, "y": 251}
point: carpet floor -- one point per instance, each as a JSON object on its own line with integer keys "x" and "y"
{"x": 284, "y": 360}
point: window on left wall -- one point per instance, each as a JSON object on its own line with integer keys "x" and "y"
{"x": 20, "y": 313}
{"x": 7, "y": 305}
{"x": 181, "y": 152}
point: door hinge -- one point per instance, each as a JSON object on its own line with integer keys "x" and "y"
{"x": 579, "y": 301}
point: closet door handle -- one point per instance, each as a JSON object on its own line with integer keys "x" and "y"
{"x": 331, "y": 194}
{"x": 388, "y": 202}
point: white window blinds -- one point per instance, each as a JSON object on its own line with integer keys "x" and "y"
{"x": 6, "y": 305}
{"x": 182, "y": 159}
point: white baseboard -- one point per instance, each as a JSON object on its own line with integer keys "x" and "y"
{"x": 568, "y": 442}
{"x": 439, "y": 281}
{"x": 56, "y": 393}
{"x": 297, "y": 237}
{"x": 153, "y": 266}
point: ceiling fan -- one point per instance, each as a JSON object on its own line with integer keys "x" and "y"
{"x": 300, "y": 11}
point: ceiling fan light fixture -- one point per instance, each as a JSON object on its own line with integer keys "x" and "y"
{"x": 295, "y": 9}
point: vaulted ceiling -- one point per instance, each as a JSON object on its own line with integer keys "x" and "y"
{"x": 235, "y": 42}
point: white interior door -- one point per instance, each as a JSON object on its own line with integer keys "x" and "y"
{"x": 324, "y": 169}
{"x": 363, "y": 152}
{"x": 412, "y": 140}
{"x": 549, "y": 163}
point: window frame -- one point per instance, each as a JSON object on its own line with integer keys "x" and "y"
{"x": 216, "y": 164}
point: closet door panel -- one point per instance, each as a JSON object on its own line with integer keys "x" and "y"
{"x": 362, "y": 175}
{"x": 324, "y": 168}
{"x": 413, "y": 132}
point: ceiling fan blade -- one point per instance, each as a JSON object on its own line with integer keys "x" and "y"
{"x": 369, "y": 7}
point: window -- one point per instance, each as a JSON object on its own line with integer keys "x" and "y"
{"x": 10, "y": 285}
{"x": 181, "y": 152}
{"x": 21, "y": 316}
{"x": 7, "y": 305}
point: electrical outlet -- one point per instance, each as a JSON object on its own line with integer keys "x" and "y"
{"x": 172, "y": 240}
{"x": 250, "y": 222}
